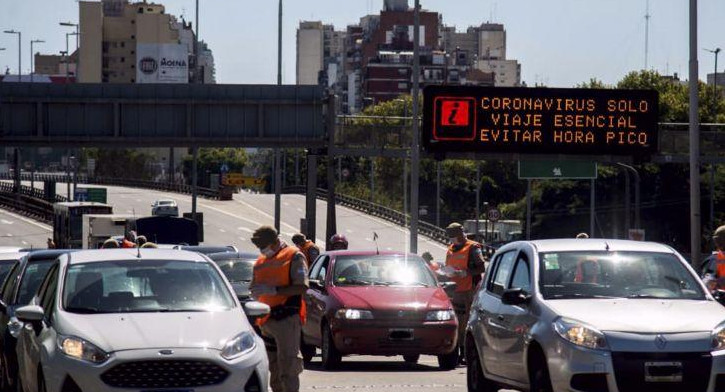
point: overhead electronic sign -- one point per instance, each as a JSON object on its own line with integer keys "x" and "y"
{"x": 540, "y": 120}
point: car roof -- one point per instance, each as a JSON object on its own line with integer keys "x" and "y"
{"x": 12, "y": 256}
{"x": 221, "y": 256}
{"x": 594, "y": 244}
{"x": 46, "y": 254}
{"x": 100, "y": 255}
{"x": 357, "y": 252}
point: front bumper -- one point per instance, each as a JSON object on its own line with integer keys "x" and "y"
{"x": 624, "y": 369}
{"x": 59, "y": 367}
{"x": 370, "y": 337}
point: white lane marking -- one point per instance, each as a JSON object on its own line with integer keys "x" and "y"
{"x": 286, "y": 204}
{"x": 138, "y": 200}
{"x": 26, "y": 220}
{"x": 242, "y": 228}
{"x": 299, "y": 209}
{"x": 348, "y": 231}
{"x": 260, "y": 212}
{"x": 222, "y": 230}
{"x": 129, "y": 211}
{"x": 368, "y": 239}
{"x": 390, "y": 248}
{"x": 6, "y": 222}
{"x": 230, "y": 214}
{"x": 9, "y": 235}
{"x": 24, "y": 242}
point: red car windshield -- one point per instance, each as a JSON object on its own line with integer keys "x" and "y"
{"x": 384, "y": 270}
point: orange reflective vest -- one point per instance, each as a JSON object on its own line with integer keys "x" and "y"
{"x": 720, "y": 264}
{"x": 127, "y": 244}
{"x": 275, "y": 272}
{"x": 305, "y": 249}
{"x": 458, "y": 259}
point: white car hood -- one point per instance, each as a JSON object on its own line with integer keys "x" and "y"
{"x": 132, "y": 331}
{"x": 642, "y": 315}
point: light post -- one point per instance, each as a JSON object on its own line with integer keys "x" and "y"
{"x": 715, "y": 51}
{"x": 77, "y": 34}
{"x": 636, "y": 193}
{"x": 77, "y": 26}
{"x": 20, "y": 49}
{"x": 32, "y": 59}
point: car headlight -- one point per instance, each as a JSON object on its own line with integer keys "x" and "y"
{"x": 440, "y": 315}
{"x": 80, "y": 349}
{"x": 239, "y": 345}
{"x": 580, "y": 334}
{"x": 718, "y": 338}
{"x": 354, "y": 314}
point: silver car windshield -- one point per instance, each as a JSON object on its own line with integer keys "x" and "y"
{"x": 382, "y": 270}
{"x": 566, "y": 275}
{"x": 147, "y": 286}
{"x": 237, "y": 270}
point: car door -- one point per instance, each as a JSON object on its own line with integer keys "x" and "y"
{"x": 487, "y": 312}
{"x": 315, "y": 300}
{"x": 517, "y": 320}
{"x": 32, "y": 338}
{"x": 8, "y": 323}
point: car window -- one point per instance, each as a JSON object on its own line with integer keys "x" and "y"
{"x": 151, "y": 286}
{"x": 31, "y": 280}
{"x": 503, "y": 272}
{"x": 319, "y": 269}
{"x": 521, "y": 278}
{"x": 47, "y": 293}
{"x": 5, "y": 267}
{"x": 237, "y": 270}
{"x": 9, "y": 284}
{"x": 597, "y": 274}
{"x": 385, "y": 270}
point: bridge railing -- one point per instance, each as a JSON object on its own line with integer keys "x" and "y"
{"x": 429, "y": 230}
{"x": 26, "y": 203}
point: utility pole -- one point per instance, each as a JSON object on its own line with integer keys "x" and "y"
{"x": 694, "y": 140}
{"x": 647, "y": 16}
{"x": 277, "y": 158}
{"x": 415, "y": 149}
{"x": 20, "y": 50}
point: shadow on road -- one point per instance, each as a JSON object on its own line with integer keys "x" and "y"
{"x": 349, "y": 364}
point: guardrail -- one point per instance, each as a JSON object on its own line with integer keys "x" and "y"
{"x": 30, "y": 206}
{"x": 429, "y": 230}
{"x": 132, "y": 183}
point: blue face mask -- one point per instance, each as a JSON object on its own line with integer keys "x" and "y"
{"x": 268, "y": 252}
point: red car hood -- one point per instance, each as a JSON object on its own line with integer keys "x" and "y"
{"x": 392, "y": 298}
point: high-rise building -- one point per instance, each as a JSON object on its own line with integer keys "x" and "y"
{"x": 123, "y": 42}
{"x": 320, "y": 57}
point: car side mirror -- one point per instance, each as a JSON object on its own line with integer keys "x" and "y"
{"x": 719, "y": 296}
{"x": 30, "y": 314}
{"x": 515, "y": 297}
{"x": 316, "y": 284}
{"x": 255, "y": 310}
{"x": 448, "y": 287}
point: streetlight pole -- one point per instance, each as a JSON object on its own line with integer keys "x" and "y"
{"x": 715, "y": 51}
{"x": 77, "y": 34}
{"x": 32, "y": 59}
{"x": 694, "y": 140}
{"x": 20, "y": 50}
{"x": 414, "y": 148}
{"x": 636, "y": 193}
{"x": 277, "y": 158}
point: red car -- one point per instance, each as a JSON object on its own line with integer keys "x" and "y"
{"x": 370, "y": 303}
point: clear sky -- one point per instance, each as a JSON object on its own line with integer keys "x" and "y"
{"x": 559, "y": 42}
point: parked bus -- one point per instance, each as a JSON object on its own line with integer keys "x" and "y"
{"x": 68, "y": 221}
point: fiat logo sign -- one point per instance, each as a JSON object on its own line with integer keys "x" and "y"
{"x": 148, "y": 65}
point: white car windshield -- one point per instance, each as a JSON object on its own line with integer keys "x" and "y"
{"x": 147, "y": 286}
{"x": 566, "y": 275}
{"x": 382, "y": 270}
{"x": 166, "y": 203}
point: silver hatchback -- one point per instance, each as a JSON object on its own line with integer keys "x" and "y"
{"x": 594, "y": 316}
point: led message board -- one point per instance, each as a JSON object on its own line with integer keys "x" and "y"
{"x": 540, "y": 120}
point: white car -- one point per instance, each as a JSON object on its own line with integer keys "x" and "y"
{"x": 594, "y": 315}
{"x": 165, "y": 207}
{"x": 139, "y": 320}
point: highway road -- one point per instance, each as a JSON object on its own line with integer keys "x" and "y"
{"x": 232, "y": 222}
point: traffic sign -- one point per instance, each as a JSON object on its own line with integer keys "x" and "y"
{"x": 80, "y": 194}
{"x": 569, "y": 170}
{"x": 98, "y": 195}
{"x": 540, "y": 120}
{"x": 224, "y": 168}
{"x": 494, "y": 215}
{"x": 237, "y": 179}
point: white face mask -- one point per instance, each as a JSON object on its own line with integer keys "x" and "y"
{"x": 268, "y": 251}
{"x": 454, "y": 240}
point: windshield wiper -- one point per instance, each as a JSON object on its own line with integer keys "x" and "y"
{"x": 647, "y": 296}
{"x": 401, "y": 283}
{"x": 82, "y": 310}
{"x": 354, "y": 282}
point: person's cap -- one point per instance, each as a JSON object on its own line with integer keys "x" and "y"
{"x": 454, "y": 228}
{"x": 264, "y": 237}
{"x": 719, "y": 236}
{"x": 298, "y": 238}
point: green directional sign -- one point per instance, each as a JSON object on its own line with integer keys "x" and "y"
{"x": 99, "y": 195}
{"x": 566, "y": 170}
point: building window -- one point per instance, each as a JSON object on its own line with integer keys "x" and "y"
{"x": 133, "y": 37}
{"x": 133, "y": 80}
{"x": 123, "y": 59}
{"x": 133, "y": 21}
{"x": 123, "y": 44}
{"x": 133, "y": 52}
{"x": 402, "y": 86}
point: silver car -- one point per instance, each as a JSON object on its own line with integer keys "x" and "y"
{"x": 139, "y": 320}
{"x": 594, "y": 315}
{"x": 165, "y": 207}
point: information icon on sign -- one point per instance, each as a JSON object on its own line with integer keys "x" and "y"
{"x": 455, "y": 118}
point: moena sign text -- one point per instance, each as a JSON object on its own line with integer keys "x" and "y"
{"x": 540, "y": 120}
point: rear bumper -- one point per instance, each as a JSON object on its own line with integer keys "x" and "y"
{"x": 367, "y": 338}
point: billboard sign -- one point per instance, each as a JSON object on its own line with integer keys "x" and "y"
{"x": 162, "y": 63}
{"x": 540, "y": 120}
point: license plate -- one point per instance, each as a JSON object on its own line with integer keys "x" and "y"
{"x": 400, "y": 334}
{"x": 663, "y": 371}
{"x": 167, "y": 390}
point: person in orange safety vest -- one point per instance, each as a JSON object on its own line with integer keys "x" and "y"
{"x": 307, "y": 247}
{"x": 714, "y": 265}
{"x": 280, "y": 281}
{"x": 464, "y": 265}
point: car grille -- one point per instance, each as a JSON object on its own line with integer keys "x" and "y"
{"x": 629, "y": 371}
{"x": 164, "y": 374}
{"x": 399, "y": 315}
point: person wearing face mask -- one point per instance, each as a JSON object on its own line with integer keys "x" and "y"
{"x": 280, "y": 280}
{"x": 464, "y": 265}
